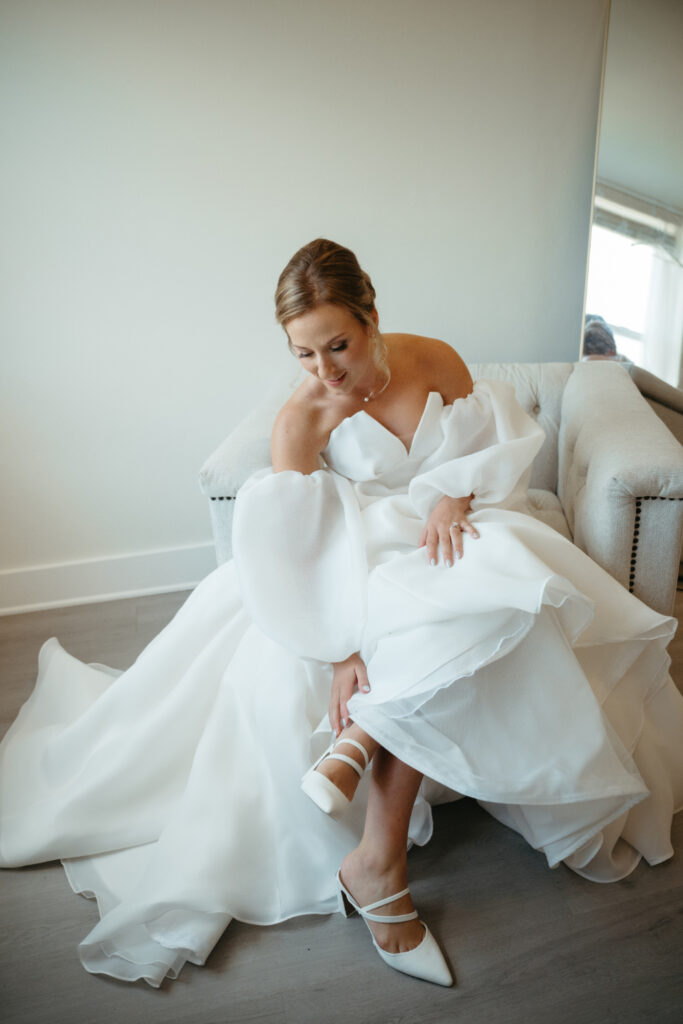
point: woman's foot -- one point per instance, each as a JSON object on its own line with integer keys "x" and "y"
{"x": 331, "y": 782}
{"x": 340, "y": 774}
{"x": 373, "y": 878}
{"x": 368, "y": 881}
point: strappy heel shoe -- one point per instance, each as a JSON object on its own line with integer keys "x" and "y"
{"x": 425, "y": 961}
{"x": 328, "y": 797}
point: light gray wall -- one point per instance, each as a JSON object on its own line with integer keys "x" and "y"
{"x": 162, "y": 161}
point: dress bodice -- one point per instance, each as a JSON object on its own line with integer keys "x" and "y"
{"x": 366, "y": 511}
{"x": 361, "y": 448}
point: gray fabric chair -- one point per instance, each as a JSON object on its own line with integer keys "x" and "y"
{"x": 609, "y": 475}
{"x": 667, "y": 401}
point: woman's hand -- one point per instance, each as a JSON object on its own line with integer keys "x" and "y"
{"x": 349, "y": 676}
{"x": 445, "y": 527}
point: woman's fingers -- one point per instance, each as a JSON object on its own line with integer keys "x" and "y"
{"x": 362, "y": 681}
{"x": 443, "y": 531}
{"x": 334, "y": 715}
{"x": 439, "y": 543}
{"x": 455, "y": 531}
{"x": 334, "y": 709}
{"x": 348, "y": 688}
{"x": 446, "y": 544}
{"x": 446, "y": 540}
{"x": 345, "y": 684}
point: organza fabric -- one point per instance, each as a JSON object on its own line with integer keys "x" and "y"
{"x": 523, "y": 676}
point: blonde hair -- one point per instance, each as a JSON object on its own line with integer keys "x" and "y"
{"x": 324, "y": 271}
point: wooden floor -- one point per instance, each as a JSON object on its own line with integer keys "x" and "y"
{"x": 528, "y": 945}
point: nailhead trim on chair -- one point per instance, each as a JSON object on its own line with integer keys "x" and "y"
{"x": 224, "y": 497}
{"x": 636, "y": 532}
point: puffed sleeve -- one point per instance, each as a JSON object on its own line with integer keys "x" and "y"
{"x": 298, "y": 547}
{"x": 489, "y": 443}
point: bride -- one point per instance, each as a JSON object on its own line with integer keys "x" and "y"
{"x": 391, "y": 601}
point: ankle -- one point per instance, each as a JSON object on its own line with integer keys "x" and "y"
{"x": 355, "y": 733}
{"x": 367, "y": 860}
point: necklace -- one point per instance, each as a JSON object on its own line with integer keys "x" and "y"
{"x": 375, "y": 394}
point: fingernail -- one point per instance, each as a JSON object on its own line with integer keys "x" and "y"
{"x": 365, "y": 689}
{"x": 449, "y": 563}
{"x": 335, "y": 733}
{"x": 432, "y": 561}
{"x": 458, "y": 554}
{"x": 343, "y": 723}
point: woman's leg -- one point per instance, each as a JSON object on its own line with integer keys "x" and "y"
{"x": 378, "y": 867}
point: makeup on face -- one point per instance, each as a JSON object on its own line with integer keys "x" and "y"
{"x": 332, "y": 345}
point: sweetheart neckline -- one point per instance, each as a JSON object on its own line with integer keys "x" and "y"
{"x": 408, "y": 449}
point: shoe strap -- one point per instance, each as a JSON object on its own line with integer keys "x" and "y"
{"x": 348, "y": 760}
{"x": 388, "y": 919}
{"x": 384, "y": 918}
{"x": 358, "y": 746}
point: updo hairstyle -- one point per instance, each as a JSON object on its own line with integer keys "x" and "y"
{"x": 325, "y": 271}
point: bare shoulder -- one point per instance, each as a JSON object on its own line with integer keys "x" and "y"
{"x": 436, "y": 362}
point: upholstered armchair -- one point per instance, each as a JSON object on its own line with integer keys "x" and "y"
{"x": 609, "y": 475}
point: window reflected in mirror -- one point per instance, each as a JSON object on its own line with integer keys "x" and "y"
{"x": 634, "y": 300}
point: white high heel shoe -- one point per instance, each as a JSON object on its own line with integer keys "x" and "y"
{"x": 425, "y": 961}
{"x": 328, "y": 797}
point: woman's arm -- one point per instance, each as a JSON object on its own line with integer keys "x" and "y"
{"x": 446, "y": 371}
{"x": 297, "y": 440}
{"x": 296, "y": 443}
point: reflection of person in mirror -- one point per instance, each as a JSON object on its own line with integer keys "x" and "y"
{"x": 392, "y": 599}
{"x": 598, "y": 340}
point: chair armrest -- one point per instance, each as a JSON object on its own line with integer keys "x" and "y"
{"x": 621, "y": 481}
{"x": 245, "y": 450}
{"x": 655, "y": 389}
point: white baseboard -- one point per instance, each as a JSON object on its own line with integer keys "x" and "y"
{"x": 104, "y": 579}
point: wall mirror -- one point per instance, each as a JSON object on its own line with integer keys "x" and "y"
{"x": 635, "y": 273}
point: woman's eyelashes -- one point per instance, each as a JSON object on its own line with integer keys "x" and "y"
{"x": 333, "y": 348}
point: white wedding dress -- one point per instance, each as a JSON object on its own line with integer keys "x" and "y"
{"x": 523, "y": 676}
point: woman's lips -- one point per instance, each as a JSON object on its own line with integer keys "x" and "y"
{"x": 335, "y": 383}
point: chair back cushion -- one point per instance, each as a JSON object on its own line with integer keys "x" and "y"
{"x": 539, "y": 388}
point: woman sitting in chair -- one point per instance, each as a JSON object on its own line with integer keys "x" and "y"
{"x": 391, "y": 601}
